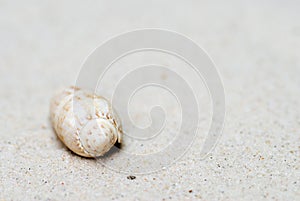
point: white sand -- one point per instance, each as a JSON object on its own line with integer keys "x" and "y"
{"x": 256, "y": 48}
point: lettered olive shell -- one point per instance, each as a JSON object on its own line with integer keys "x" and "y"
{"x": 85, "y": 122}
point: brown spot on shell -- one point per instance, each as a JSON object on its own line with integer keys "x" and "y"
{"x": 75, "y": 88}
{"x": 97, "y": 114}
{"x": 90, "y": 96}
{"x": 66, "y": 107}
{"x": 68, "y": 92}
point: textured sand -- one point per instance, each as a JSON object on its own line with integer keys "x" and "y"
{"x": 256, "y": 48}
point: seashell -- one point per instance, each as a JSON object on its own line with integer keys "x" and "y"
{"x": 85, "y": 122}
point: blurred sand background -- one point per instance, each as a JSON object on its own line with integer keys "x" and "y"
{"x": 255, "y": 46}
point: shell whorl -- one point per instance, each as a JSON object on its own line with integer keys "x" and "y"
{"x": 84, "y": 122}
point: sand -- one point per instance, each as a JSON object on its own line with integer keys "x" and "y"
{"x": 256, "y": 49}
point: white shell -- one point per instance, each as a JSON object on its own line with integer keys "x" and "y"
{"x": 85, "y": 122}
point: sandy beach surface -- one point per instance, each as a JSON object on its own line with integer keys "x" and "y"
{"x": 255, "y": 47}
